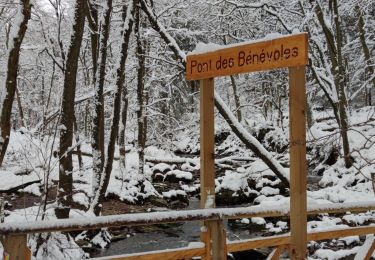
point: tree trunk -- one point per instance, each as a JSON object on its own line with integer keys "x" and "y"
{"x": 236, "y": 98}
{"x": 98, "y": 120}
{"x": 342, "y": 88}
{"x": 64, "y": 195}
{"x": 124, "y": 116}
{"x": 125, "y": 100}
{"x": 366, "y": 53}
{"x": 334, "y": 45}
{"x": 7, "y": 95}
{"x": 92, "y": 18}
{"x": 140, "y": 92}
{"x": 120, "y": 79}
{"x": 20, "y": 109}
{"x": 79, "y": 152}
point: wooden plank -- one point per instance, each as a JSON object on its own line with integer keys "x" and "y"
{"x": 180, "y": 253}
{"x": 262, "y": 242}
{"x": 206, "y": 239}
{"x": 15, "y": 247}
{"x": 28, "y": 253}
{"x": 207, "y": 161}
{"x": 335, "y": 233}
{"x": 298, "y": 164}
{"x": 281, "y": 241}
{"x": 135, "y": 219}
{"x": 207, "y": 143}
{"x": 276, "y": 253}
{"x": 370, "y": 251}
{"x": 218, "y": 240}
{"x": 287, "y": 51}
{"x": 366, "y": 250}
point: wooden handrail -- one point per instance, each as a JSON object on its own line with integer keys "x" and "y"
{"x": 177, "y": 253}
{"x": 262, "y": 242}
{"x": 247, "y": 244}
{"x": 12, "y": 231}
{"x": 13, "y": 228}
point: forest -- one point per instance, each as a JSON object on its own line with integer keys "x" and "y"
{"x": 97, "y": 118}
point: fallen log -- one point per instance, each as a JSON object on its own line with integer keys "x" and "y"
{"x": 18, "y": 187}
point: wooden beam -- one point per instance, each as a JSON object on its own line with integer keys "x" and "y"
{"x": 286, "y": 51}
{"x": 16, "y": 247}
{"x": 298, "y": 164}
{"x": 335, "y": 233}
{"x": 206, "y": 239}
{"x": 207, "y": 143}
{"x": 259, "y": 242}
{"x": 207, "y": 171}
{"x": 281, "y": 241}
{"x": 175, "y": 254}
{"x": 276, "y": 253}
{"x": 262, "y": 242}
{"x": 218, "y": 237}
{"x": 137, "y": 219}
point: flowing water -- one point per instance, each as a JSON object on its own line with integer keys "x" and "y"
{"x": 174, "y": 236}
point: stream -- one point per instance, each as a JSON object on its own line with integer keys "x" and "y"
{"x": 175, "y": 236}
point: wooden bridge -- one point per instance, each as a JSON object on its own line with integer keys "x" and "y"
{"x": 14, "y": 235}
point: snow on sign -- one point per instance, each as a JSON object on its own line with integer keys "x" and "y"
{"x": 265, "y": 54}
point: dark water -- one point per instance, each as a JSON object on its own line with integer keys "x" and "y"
{"x": 173, "y": 237}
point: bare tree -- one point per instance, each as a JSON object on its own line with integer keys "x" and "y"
{"x": 98, "y": 119}
{"x": 141, "y": 73}
{"x": 366, "y": 53}
{"x": 7, "y": 95}
{"x": 128, "y": 13}
{"x": 64, "y": 195}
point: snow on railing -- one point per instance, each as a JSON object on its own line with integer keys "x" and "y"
{"x": 14, "y": 228}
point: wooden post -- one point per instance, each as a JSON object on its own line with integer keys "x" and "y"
{"x": 16, "y": 247}
{"x": 207, "y": 171}
{"x": 298, "y": 165}
{"x": 207, "y": 143}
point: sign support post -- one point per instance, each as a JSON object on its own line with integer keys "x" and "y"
{"x": 214, "y": 235}
{"x": 298, "y": 165}
{"x": 288, "y": 51}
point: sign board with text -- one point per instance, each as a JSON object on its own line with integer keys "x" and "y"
{"x": 286, "y": 51}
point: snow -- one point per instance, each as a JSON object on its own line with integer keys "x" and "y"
{"x": 245, "y": 221}
{"x": 180, "y": 174}
{"x": 358, "y": 219}
{"x": 173, "y": 193}
{"x": 32, "y": 189}
{"x": 161, "y": 167}
{"x": 210, "y": 202}
{"x": 258, "y": 220}
{"x": 350, "y": 240}
{"x": 269, "y": 191}
{"x": 59, "y": 246}
{"x": 202, "y": 48}
{"x": 13, "y": 35}
{"x": 232, "y": 181}
{"x": 329, "y": 254}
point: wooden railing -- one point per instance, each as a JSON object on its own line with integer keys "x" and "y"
{"x": 13, "y": 235}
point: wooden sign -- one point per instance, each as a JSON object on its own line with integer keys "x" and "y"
{"x": 286, "y": 51}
